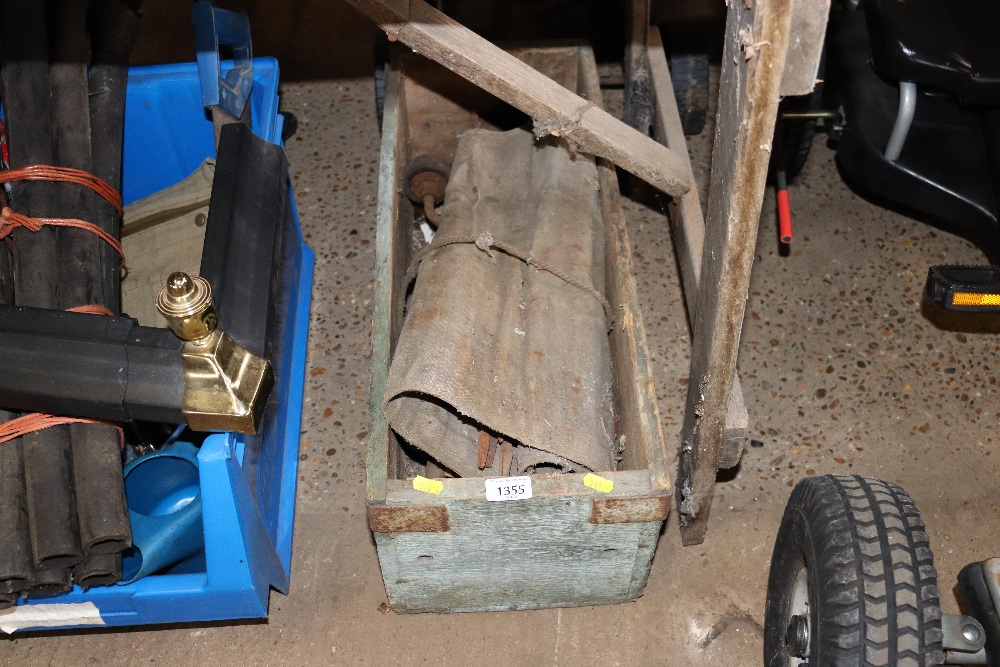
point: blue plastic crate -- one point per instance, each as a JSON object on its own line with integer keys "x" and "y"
{"x": 248, "y": 510}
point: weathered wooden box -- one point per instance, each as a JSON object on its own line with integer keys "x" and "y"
{"x": 568, "y": 545}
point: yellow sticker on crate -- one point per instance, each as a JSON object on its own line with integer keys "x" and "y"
{"x": 427, "y": 485}
{"x": 599, "y": 483}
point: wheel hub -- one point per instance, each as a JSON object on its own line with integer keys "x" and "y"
{"x": 797, "y": 636}
{"x": 798, "y": 632}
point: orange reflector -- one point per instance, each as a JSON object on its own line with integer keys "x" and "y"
{"x": 975, "y": 299}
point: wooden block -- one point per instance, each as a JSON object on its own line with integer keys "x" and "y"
{"x": 805, "y": 46}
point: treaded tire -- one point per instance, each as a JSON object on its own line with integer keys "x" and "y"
{"x": 872, "y": 587}
{"x": 689, "y": 74}
{"x": 793, "y": 138}
{"x": 687, "y": 58}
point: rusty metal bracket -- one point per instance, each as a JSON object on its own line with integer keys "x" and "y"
{"x": 408, "y": 519}
{"x": 638, "y": 509}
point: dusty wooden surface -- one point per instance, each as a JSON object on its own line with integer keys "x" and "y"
{"x": 554, "y": 109}
{"x": 688, "y": 233}
{"x": 387, "y": 246}
{"x": 635, "y": 68}
{"x": 805, "y": 46}
{"x": 455, "y": 551}
{"x": 516, "y": 555}
{"x": 753, "y": 59}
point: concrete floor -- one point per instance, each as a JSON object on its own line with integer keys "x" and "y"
{"x": 842, "y": 372}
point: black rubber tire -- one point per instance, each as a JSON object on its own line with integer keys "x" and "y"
{"x": 687, "y": 57}
{"x": 873, "y": 594}
{"x": 793, "y": 138}
{"x": 689, "y": 74}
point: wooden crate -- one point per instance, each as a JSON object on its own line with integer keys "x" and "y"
{"x": 568, "y": 545}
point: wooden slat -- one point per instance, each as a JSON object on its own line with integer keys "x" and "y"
{"x": 554, "y": 109}
{"x": 635, "y": 67}
{"x": 805, "y": 46}
{"x": 756, "y": 43}
{"x": 379, "y": 461}
{"x": 635, "y": 396}
{"x": 688, "y": 231}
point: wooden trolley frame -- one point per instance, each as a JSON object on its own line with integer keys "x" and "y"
{"x": 771, "y": 49}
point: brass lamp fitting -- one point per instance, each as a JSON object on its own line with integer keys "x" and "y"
{"x": 225, "y": 387}
{"x": 186, "y": 302}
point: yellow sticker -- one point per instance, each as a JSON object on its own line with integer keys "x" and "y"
{"x": 427, "y": 485}
{"x": 598, "y": 482}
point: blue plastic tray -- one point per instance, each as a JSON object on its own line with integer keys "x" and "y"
{"x": 248, "y": 511}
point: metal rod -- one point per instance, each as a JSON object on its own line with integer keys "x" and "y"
{"x": 100, "y": 489}
{"x": 89, "y": 366}
{"x": 113, "y": 28}
{"x": 98, "y": 570}
{"x": 48, "y": 477}
{"x": 27, "y": 94}
{"x": 904, "y": 118}
{"x": 16, "y": 571}
{"x": 809, "y": 115}
{"x": 102, "y": 515}
{"x": 25, "y": 75}
{"x": 49, "y": 583}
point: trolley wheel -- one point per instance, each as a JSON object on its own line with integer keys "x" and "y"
{"x": 852, "y": 579}
{"x": 687, "y": 57}
{"x": 793, "y": 138}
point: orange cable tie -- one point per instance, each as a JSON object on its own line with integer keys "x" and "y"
{"x": 9, "y": 221}
{"x": 91, "y": 309}
{"x": 44, "y": 172}
{"x": 37, "y": 421}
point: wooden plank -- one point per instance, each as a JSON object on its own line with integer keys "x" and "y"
{"x": 634, "y": 394}
{"x": 526, "y": 554}
{"x": 805, "y": 47}
{"x": 688, "y": 233}
{"x": 555, "y": 110}
{"x": 627, "y": 484}
{"x": 756, "y": 42}
{"x": 378, "y": 461}
{"x": 635, "y": 67}
{"x": 688, "y": 222}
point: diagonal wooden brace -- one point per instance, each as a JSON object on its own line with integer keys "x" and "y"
{"x": 688, "y": 232}
{"x": 756, "y": 44}
{"x": 554, "y": 109}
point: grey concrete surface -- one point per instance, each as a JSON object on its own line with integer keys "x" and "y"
{"x": 842, "y": 372}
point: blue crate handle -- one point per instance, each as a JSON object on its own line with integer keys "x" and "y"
{"x": 218, "y": 26}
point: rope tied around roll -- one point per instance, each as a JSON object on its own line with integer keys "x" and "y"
{"x": 485, "y": 242}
